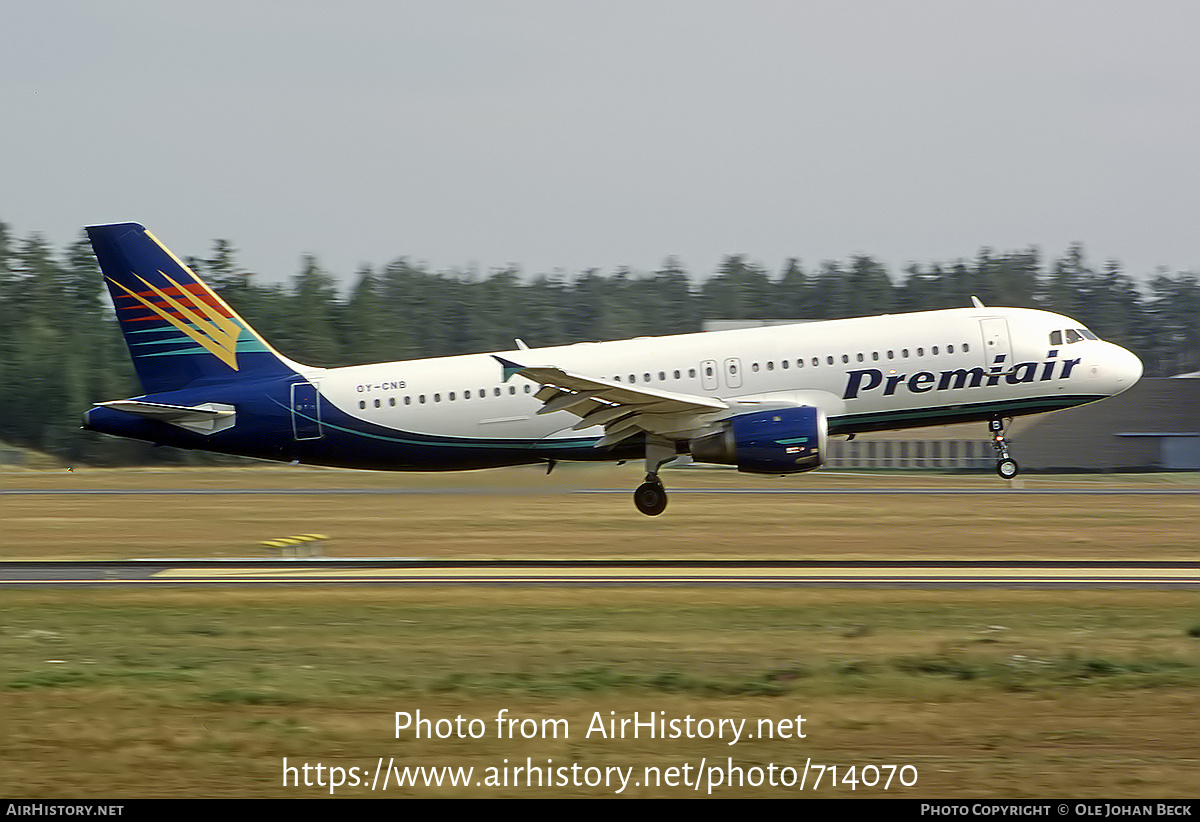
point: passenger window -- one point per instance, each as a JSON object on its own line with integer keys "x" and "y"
{"x": 676, "y": 373}
{"x": 934, "y": 351}
{"x": 966, "y": 348}
{"x": 362, "y": 404}
{"x": 512, "y": 389}
{"x": 949, "y": 349}
{"x": 392, "y": 401}
{"x": 860, "y": 357}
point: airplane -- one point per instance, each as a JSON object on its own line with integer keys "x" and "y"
{"x": 762, "y": 399}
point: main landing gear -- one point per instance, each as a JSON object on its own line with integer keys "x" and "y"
{"x": 651, "y": 497}
{"x": 1006, "y": 466}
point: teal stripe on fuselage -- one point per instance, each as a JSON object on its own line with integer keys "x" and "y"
{"x": 945, "y": 414}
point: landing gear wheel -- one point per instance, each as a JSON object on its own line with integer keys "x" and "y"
{"x": 1006, "y": 466}
{"x": 650, "y": 498}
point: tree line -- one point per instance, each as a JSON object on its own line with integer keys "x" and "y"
{"x": 60, "y": 349}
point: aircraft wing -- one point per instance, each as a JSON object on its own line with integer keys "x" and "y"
{"x": 623, "y": 409}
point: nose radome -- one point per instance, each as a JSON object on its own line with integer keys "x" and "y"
{"x": 1127, "y": 368}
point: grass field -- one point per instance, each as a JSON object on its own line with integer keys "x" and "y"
{"x": 982, "y": 693}
{"x": 522, "y": 512}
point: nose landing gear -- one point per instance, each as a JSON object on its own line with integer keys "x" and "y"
{"x": 1006, "y": 466}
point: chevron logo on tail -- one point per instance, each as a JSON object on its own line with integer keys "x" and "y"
{"x": 205, "y": 325}
{"x": 178, "y": 330}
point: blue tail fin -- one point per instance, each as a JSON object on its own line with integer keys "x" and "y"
{"x": 179, "y": 332}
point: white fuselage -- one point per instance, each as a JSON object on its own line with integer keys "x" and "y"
{"x": 890, "y": 371}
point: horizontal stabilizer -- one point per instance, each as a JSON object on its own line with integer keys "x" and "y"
{"x": 206, "y": 418}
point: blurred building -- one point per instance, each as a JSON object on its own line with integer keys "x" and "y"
{"x": 1154, "y": 426}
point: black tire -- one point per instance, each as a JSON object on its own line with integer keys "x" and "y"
{"x": 1007, "y": 469}
{"x": 650, "y": 498}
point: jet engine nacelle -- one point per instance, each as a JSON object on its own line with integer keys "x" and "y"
{"x": 784, "y": 441}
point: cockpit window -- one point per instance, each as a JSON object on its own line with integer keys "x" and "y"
{"x": 1073, "y": 335}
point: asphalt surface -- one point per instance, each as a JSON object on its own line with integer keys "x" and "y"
{"x": 509, "y": 490}
{"x": 412, "y": 571}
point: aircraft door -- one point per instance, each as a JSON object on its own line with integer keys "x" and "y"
{"x": 733, "y": 373}
{"x": 996, "y": 343}
{"x": 306, "y": 411}
{"x": 708, "y": 375}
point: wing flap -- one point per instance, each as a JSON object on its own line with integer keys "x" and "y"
{"x": 572, "y": 401}
{"x": 603, "y": 416}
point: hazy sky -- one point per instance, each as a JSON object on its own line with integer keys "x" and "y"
{"x": 561, "y": 134}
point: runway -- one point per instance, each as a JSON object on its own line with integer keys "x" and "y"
{"x": 550, "y": 491}
{"x": 411, "y": 571}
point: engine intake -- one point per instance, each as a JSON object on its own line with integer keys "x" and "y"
{"x": 784, "y": 441}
